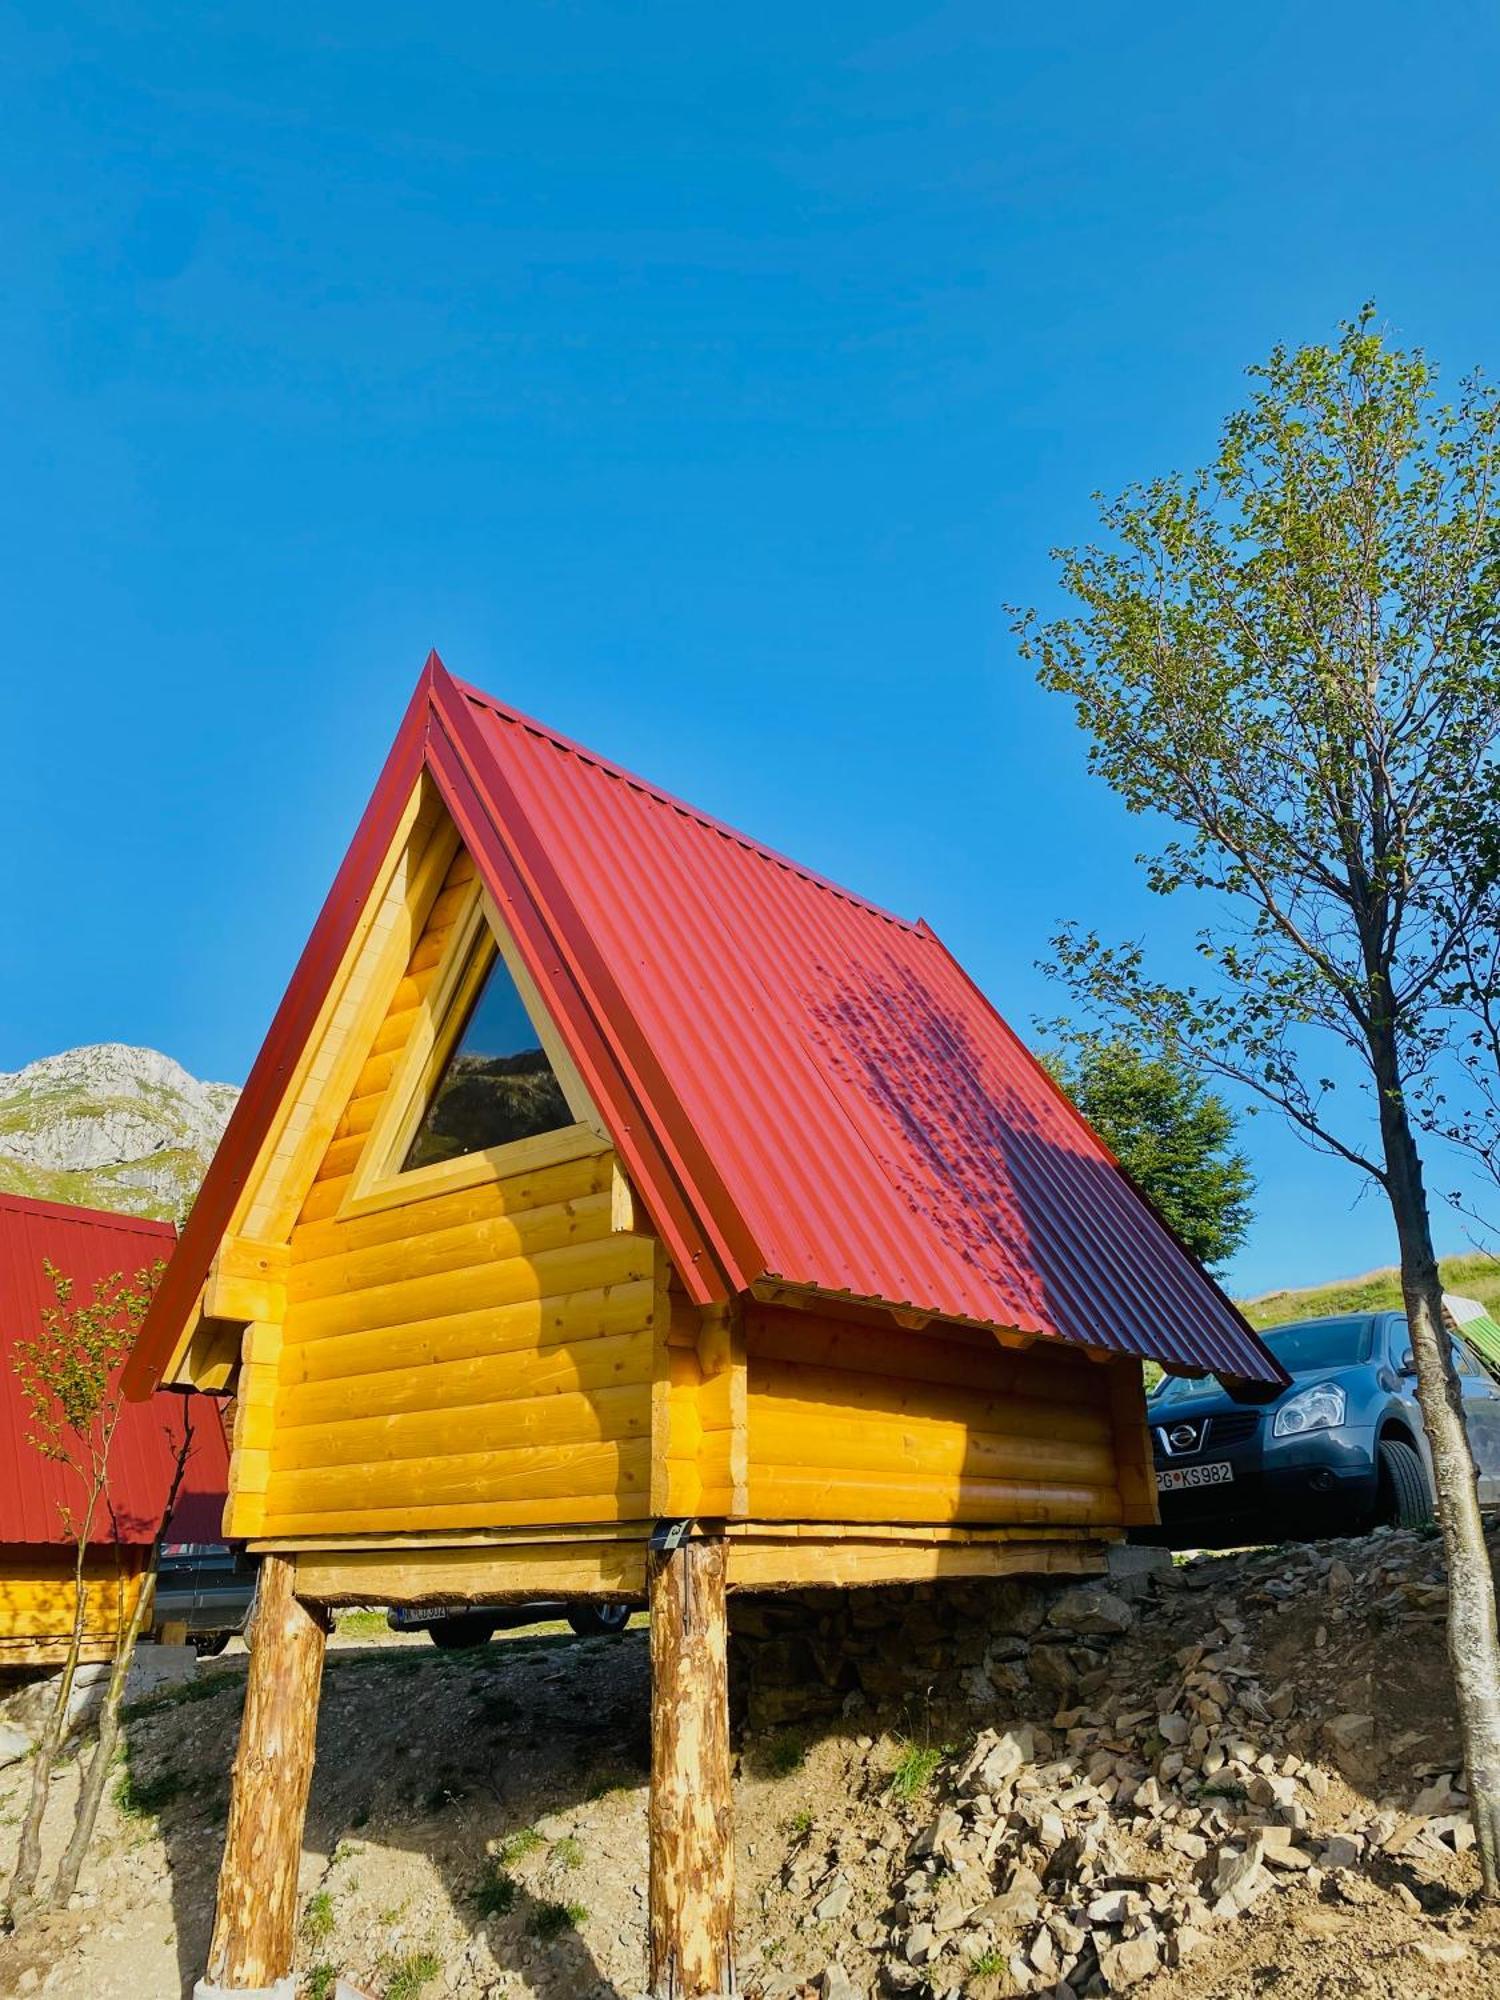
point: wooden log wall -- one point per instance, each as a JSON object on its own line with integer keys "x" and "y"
{"x": 480, "y": 1357}
{"x": 857, "y": 1422}
{"x": 37, "y": 1602}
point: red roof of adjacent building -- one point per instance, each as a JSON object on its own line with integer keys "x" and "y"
{"x": 804, "y": 1088}
{"x": 86, "y": 1244}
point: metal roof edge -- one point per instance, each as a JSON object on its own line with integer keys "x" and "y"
{"x": 67, "y": 1211}
{"x": 689, "y": 1203}
{"x": 706, "y": 820}
{"x": 1276, "y": 1372}
{"x": 292, "y": 1023}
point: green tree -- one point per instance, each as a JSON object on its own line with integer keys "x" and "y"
{"x": 1171, "y": 1134}
{"x": 1283, "y": 657}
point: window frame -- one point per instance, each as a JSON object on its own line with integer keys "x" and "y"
{"x": 379, "y": 1181}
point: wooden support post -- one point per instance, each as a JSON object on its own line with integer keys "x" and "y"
{"x": 691, "y": 1811}
{"x": 255, "y": 1919}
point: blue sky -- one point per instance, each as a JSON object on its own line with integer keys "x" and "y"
{"x": 704, "y": 381}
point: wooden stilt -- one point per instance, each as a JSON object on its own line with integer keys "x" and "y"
{"x": 255, "y": 1917}
{"x": 691, "y": 1812}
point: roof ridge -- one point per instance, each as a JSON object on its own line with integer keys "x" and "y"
{"x": 507, "y": 713}
{"x": 75, "y": 1211}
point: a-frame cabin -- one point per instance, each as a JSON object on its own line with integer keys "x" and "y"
{"x": 617, "y": 1209}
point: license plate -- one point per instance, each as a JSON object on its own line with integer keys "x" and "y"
{"x": 1182, "y": 1478}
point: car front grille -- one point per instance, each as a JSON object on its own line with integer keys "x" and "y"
{"x": 1192, "y": 1438}
{"x": 1233, "y": 1428}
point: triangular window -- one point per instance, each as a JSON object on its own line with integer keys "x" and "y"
{"x": 496, "y": 1083}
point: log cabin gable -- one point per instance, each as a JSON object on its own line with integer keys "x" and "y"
{"x": 527, "y": 1102}
{"x": 428, "y": 937}
{"x": 462, "y": 1341}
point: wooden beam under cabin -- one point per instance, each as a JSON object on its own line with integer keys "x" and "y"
{"x": 255, "y": 1917}
{"x": 690, "y": 1816}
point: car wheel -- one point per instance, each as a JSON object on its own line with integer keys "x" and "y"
{"x": 460, "y": 1635}
{"x": 598, "y": 1621}
{"x": 1404, "y": 1499}
{"x": 209, "y": 1645}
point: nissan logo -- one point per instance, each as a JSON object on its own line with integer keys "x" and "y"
{"x": 1182, "y": 1437}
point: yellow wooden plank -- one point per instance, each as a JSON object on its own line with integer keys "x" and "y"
{"x": 605, "y": 1361}
{"x": 528, "y": 1323}
{"x": 812, "y": 1340}
{"x": 431, "y": 1250}
{"x": 359, "y": 1115}
{"x": 662, "y": 1478}
{"x": 485, "y": 1479}
{"x": 546, "y": 1273}
{"x": 1136, "y": 1471}
{"x": 568, "y": 1181}
{"x": 610, "y": 1415}
{"x": 809, "y": 1395}
{"x": 358, "y": 1000}
{"x": 371, "y": 1190}
{"x": 610, "y": 1569}
{"x": 909, "y": 1531}
{"x": 457, "y": 1517}
{"x": 796, "y": 1493}
{"x": 941, "y": 1452}
{"x": 791, "y": 1565}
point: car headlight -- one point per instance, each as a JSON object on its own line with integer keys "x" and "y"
{"x": 1319, "y": 1408}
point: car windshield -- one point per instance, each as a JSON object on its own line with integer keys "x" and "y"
{"x": 1302, "y": 1350}
{"x": 1321, "y": 1343}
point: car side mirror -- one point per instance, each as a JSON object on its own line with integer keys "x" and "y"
{"x": 1407, "y": 1365}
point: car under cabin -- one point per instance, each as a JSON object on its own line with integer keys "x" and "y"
{"x": 619, "y": 1210}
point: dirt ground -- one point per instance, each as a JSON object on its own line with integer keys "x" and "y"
{"x": 477, "y": 1823}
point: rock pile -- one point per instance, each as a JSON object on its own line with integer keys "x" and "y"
{"x": 1165, "y": 1769}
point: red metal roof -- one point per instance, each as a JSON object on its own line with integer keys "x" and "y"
{"x": 87, "y": 1244}
{"x": 804, "y": 1087}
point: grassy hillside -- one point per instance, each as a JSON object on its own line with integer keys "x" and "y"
{"x": 175, "y": 1176}
{"x": 1474, "y": 1277}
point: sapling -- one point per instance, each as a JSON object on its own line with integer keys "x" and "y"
{"x": 69, "y": 1375}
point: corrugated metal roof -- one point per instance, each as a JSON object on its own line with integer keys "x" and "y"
{"x": 88, "y": 1244}
{"x": 877, "y": 1128}
{"x": 803, "y": 1087}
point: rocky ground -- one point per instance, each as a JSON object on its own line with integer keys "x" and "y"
{"x": 1243, "y": 1782}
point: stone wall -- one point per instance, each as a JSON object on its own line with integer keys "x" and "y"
{"x": 808, "y": 1656}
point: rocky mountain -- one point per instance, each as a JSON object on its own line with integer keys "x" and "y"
{"x": 110, "y": 1127}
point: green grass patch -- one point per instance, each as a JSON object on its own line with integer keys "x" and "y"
{"x": 410, "y": 1975}
{"x": 361, "y": 1624}
{"x": 321, "y": 1981}
{"x": 203, "y": 1688}
{"x": 317, "y": 1918}
{"x": 552, "y": 1920}
{"x": 495, "y": 1895}
{"x": 143, "y": 1798}
{"x": 785, "y": 1754}
{"x": 568, "y": 1852}
{"x": 1474, "y": 1277}
{"x": 987, "y": 1964}
{"x": 914, "y": 1770}
{"x": 800, "y": 1824}
{"x": 516, "y": 1846}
